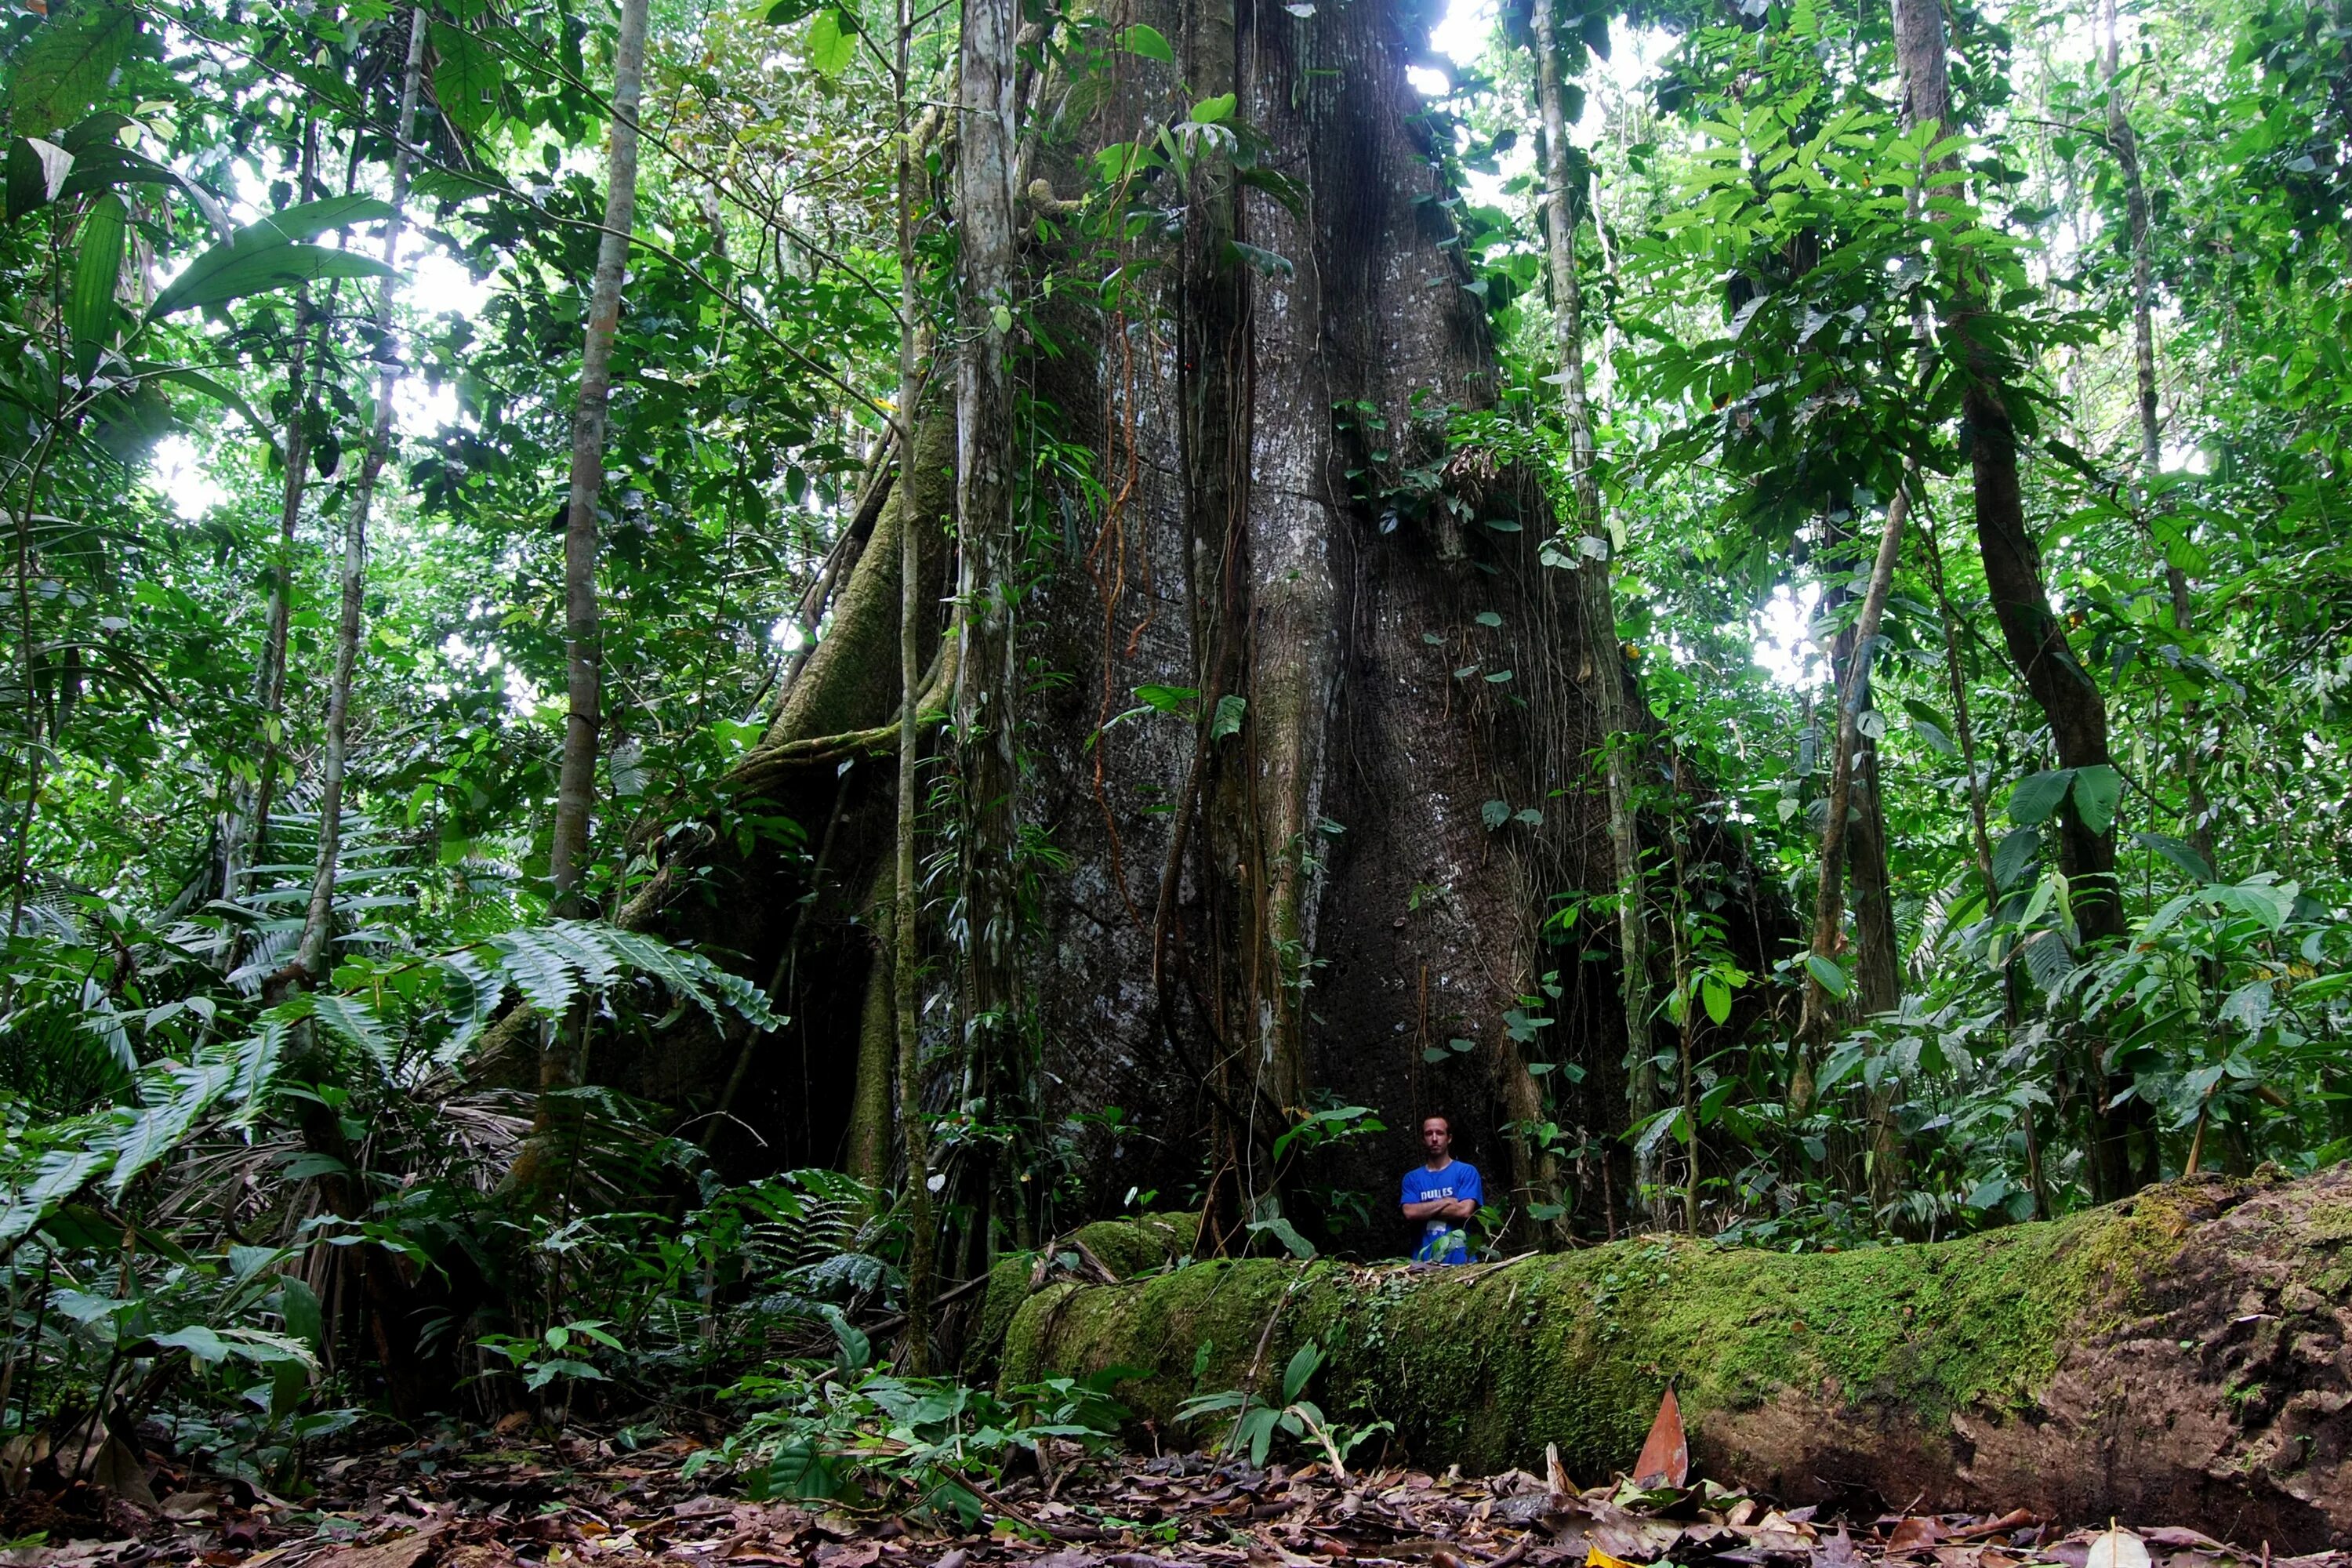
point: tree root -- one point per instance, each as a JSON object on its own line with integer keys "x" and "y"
{"x": 770, "y": 765}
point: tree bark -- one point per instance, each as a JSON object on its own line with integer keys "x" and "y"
{"x": 989, "y": 588}
{"x": 584, "y": 651}
{"x": 1819, "y": 1019}
{"x": 563, "y": 1044}
{"x": 311, "y": 956}
{"x": 1601, "y": 662}
{"x": 1253, "y": 359}
{"x": 2178, "y": 1357}
{"x": 906, "y": 948}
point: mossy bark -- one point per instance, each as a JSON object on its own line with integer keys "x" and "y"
{"x": 2180, "y": 1358}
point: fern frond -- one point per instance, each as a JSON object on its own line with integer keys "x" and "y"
{"x": 59, "y": 1175}
{"x": 470, "y": 995}
{"x": 537, "y": 968}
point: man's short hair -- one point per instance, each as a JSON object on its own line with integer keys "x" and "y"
{"x": 1438, "y": 1116}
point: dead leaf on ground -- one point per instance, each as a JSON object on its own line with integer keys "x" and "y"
{"x": 1914, "y": 1534}
{"x": 1837, "y": 1551}
{"x": 1665, "y": 1453}
{"x": 2116, "y": 1547}
{"x": 401, "y": 1551}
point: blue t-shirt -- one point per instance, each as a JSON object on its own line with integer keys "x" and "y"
{"x": 1457, "y": 1180}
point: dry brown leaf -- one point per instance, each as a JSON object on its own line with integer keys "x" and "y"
{"x": 1837, "y": 1551}
{"x": 401, "y": 1551}
{"x": 1665, "y": 1454}
{"x": 1915, "y": 1533}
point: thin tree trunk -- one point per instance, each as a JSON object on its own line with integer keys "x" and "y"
{"x": 1979, "y": 836}
{"x": 1877, "y": 972}
{"x": 2068, "y": 696}
{"x": 1878, "y": 968}
{"x": 564, "y": 1045}
{"x": 1602, "y": 662}
{"x": 1829, "y": 898}
{"x": 583, "y": 638}
{"x": 311, "y": 956}
{"x": 907, "y": 890}
{"x": 989, "y": 687}
{"x": 248, "y": 824}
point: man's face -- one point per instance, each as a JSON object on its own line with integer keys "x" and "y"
{"x": 1436, "y": 1137}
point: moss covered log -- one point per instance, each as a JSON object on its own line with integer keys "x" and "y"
{"x": 2180, "y": 1357}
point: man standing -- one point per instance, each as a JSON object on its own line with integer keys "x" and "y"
{"x": 1442, "y": 1194}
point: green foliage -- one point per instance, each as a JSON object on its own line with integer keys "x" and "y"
{"x": 856, "y": 1432}
{"x": 1257, "y": 1422}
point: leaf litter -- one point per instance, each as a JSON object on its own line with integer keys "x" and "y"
{"x": 469, "y": 1499}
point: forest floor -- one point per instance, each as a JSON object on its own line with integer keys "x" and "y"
{"x": 484, "y": 1500}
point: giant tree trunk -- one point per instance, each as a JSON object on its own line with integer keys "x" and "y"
{"x": 2179, "y": 1358}
{"x": 1333, "y": 862}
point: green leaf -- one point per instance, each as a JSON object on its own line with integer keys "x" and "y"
{"x": 470, "y": 995}
{"x": 219, "y": 392}
{"x": 102, "y": 165}
{"x": 1283, "y": 1231}
{"x": 2183, "y": 857}
{"x": 37, "y": 171}
{"x": 465, "y": 79}
{"x": 2037, "y": 795}
{"x": 298, "y": 1304}
{"x": 269, "y": 254}
{"x": 1213, "y": 111}
{"x": 198, "y": 1340}
{"x": 62, "y": 69}
{"x": 856, "y": 1351}
{"x": 1227, "y": 719}
{"x": 1303, "y": 1365}
{"x": 97, "y": 266}
{"x": 1826, "y": 973}
{"x": 1717, "y": 998}
{"x": 1495, "y": 813}
{"x": 2013, "y": 855}
{"x": 2098, "y": 790}
{"x": 1167, "y": 699}
{"x": 1148, "y": 41}
{"x": 831, "y": 43}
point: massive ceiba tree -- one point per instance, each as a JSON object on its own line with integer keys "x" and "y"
{"x": 1320, "y": 850}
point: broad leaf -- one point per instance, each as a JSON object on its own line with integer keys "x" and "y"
{"x": 832, "y": 42}
{"x": 38, "y": 172}
{"x": 2097, "y": 791}
{"x": 465, "y": 79}
{"x": 97, "y": 266}
{"x": 270, "y": 255}
{"x": 1148, "y": 41}
{"x": 2038, "y": 796}
{"x": 2013, "y": 856}
{"x": 2182, "y": 857}
{"x": 62, "y": 69}
{"x": 1827, "y": 974}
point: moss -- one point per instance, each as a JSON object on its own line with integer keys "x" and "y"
{"x": 1487, "y": 1366}
{"x": 1126, "y": 1246}
{"x": 1131, "y": 1247}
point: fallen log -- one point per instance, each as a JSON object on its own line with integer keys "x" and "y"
{"x": 2180, "y": 1357}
